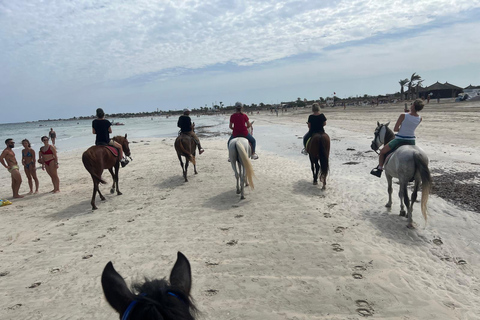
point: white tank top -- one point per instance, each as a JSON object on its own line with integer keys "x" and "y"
{"x": 408, "y": 126}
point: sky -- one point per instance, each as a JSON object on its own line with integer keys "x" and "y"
{"x": 63, "y": 58}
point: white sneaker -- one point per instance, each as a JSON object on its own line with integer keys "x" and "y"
{"x": 254, "y": 156}
{"x": 304, "y": 152}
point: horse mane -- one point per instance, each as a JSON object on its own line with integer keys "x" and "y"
{"x": 157, "y": 299}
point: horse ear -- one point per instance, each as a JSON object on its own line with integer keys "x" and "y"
{"x": 386, "y": 125}
{"x": 115, "y": 289}
{"x": 181, "y": 275}
{"x": 378, "y": 124}
{"x": 125, "y": 136}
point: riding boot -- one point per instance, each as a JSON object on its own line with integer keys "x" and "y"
{"x": 124, "y": 162}
{"x": 376, "y": 172}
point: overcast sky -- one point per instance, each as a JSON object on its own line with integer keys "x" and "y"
{"x": 63, "y": 58}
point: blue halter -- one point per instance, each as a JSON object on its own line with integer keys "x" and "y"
{"x": 132, "y": 304}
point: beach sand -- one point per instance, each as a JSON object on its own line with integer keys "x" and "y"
{"x": 288, "y": 251}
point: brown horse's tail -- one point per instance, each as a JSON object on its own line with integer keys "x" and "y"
{"x": 323, "y": 153}
{"x": 184, "y": 152}
{"x": 421, "y": 166}
{"x": 89, "y": 165}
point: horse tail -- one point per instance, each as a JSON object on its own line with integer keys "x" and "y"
{"x": 90, "y": 166}
{"x": 242, "y": 153}
{"x": 184, "y": 152}
{"x": 323, "y": 153}
{"x": 421, "y": 166}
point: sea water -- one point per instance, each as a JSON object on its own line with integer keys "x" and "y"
{"x": 77, "y": 134}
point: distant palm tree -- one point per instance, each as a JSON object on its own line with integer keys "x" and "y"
{"x": 411, "y": 83}
{"x": 402, "y": 87}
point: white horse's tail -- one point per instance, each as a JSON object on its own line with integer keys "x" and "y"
{"x": 421, "y": 166}
{"x": 242, "y": 153}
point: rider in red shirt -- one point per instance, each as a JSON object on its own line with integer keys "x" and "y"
{"x": 240, "y": 123}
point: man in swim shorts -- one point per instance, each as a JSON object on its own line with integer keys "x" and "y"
{"x": 53, "y": 135}
{"x": 7, "y": 158}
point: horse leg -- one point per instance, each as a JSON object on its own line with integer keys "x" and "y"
{"x": 238, "y": 172}
{"x": 112, "y": 189}
{"x": 403, "y": 195}
{"x": 242, "y": 181}
{"x": 312, "y": 165}
{"x": 117, "y": 170}
{"x": 181, "y": 165}
{"x": 186, "y": 168}
{"x": 390, "y": 190}
{"x": 95, "y": 190}
{"x": 412, "y": 201}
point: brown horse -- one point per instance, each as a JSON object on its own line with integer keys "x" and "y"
{"x": 98, "y": 158}
{"x": 186, "y": 146}
{"x": 318, "y": 149}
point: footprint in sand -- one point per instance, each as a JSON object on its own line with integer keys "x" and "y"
{"x": 87, "y": 256}
{"x": 438, "y": 241}
{"x": 97, "y": 246}
{"x": 226, "y": 229}
{"x": 364, "y": 308}
{"x": 337, "y": 247}
{"x": 130, "y": 220}
{"x": 460, "y": 261}
{"x": 359, "y": 268}
{"x": 232, "y": 242}
{"x": 15, "y": 306}
{"x": 111, "y": 229}
{"x": 331, "y": 205}
{"x": 211, "y": 292}
{"x": 60, "y": 224}
{"x": 327, "y": 215}
{"x": 351, "y": 163}
{"x": 54, "y": 270}
{"x": 339, "y": 229}
{"x": 34, "y": 285}
{"x": 36, "y": 240}
{"x": 73, "y": 234}
{"x": 102, "y": 236}
{"x": 239, "y": 216}
{"x": 357, "y": 276}
{"x": 4, "y": 273}
{"x": 209, "y": 264}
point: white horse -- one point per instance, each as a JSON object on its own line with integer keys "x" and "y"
{"x": 239, "y": 152}
{"x": 407, "y": 163}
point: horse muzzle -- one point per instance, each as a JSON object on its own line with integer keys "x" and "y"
{"x": 374, "y": 146}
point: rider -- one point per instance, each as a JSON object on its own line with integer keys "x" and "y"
{"x": 316, "y": 122}
{"x": 406, "y": 124}
{"x": 102, "y": 128}
{"x": 240, "y": 123}
{"x": 187, "y": 127}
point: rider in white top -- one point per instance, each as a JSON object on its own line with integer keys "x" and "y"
{"x": 405, "y": 126}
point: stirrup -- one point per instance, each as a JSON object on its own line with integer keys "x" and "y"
{"x": 124, "y": 162}
{"x": 376, "y": 172}
{"x": 304, "y": 151}
{"x": 201, "y": 151}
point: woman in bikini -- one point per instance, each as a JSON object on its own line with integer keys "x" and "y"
{"x": 28, "y": 161}
{"x": 49, "y": 161}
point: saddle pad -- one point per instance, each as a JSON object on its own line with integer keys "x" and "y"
{"x": 113, "y": 150}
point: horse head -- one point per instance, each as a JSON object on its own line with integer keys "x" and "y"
{"x": 156, "y": 299}
{"x": 123, "y": 141}
{"x": 379, "y": 135}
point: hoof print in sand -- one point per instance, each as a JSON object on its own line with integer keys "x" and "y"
{"x": 211, "y": 292}
{"x": 337, "y": 247}
{"x": 36, "y": 240}
{"x": 438, "y": 241}
{"x": 232, "y": 242}
{"x": 54, "y": 270}
{"x": 460, "y": 261}
{"x": 226, "y": 229}
{"x": 130, "y": 220}
{"x": 15, "y": 306}
{"x": 209, "y": 264}
{"x": 4, "y": 273}
{"x": 359, "y": 268}
{"x": 357, "y": 276}
{"x": 327, "y": 215}
{"x": 87, "y": 256}
{"x": 239, "y": 216}
{"x": 339, "y": 229}
{"x": 34, "y": 285}
{"x": 364, "y": 308}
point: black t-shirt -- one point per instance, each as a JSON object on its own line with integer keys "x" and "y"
{"x": 316, "y": 123}
{"x": 184, "y": 123}
{"x": 101, "y": 128}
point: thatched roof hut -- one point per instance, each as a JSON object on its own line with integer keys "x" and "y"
{"x": 441, "y": 90}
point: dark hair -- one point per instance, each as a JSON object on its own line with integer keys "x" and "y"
{"x": 41, "y": 139}
{"x": 27, "y": 142}
{"x": 9, "y": 139}
{"x": 100, "y": 113}
{"x": 418, "y": 104}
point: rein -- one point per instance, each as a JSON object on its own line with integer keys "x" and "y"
{"x": 132, "y": 304}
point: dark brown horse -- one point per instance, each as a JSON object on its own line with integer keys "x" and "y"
{"x": 98, "y": 158}
{"x": 186, "y": 146}
{"x": 319, "y": 150}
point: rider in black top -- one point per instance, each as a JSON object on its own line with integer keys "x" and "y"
{"x": 316, "y": 122}
{"x": 102, "y": 128}
{"x": 186, "y": 127}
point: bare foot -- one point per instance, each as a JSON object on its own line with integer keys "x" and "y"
{"x": 18, "y": 196}
{"x": 30, "y": 192}
{"x": 36, "y": 191}
{"x": 57, "y": 191}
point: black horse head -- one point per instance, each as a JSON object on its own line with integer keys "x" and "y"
{"x": 152, "y": 300}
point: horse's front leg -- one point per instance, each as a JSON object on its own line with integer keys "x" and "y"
{"x": 312, "y": 166}
{"x": 403, "y": 195}
{"x": 185, "y": 172}
{"x": 390, "y": 190}
{"x": 242, "y": 182}
{"x": 117, "y": 170}
{"x": 112, "y": 189}
{"x": 410, "y": 207}
{"x": 95, "y": 190}
{"x": 181, "y": 165}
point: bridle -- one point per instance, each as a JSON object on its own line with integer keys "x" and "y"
{"x": 377, "y": 137}
{"x": 132, "y": 304}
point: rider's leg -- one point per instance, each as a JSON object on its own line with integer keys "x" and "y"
{"x": 230, "y": 139}
{"x": 307, "y": 136}
{"x": 119, "y": 147}
{"x": 381, "y": 157}
{"x": 252, "y": 140}
{"x": 197, "y": 141}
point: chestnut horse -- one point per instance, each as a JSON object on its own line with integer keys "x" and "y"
{"x": 318, "y": 149}
{"x": 186, "y": 146}
{"x": 98, "y": 158}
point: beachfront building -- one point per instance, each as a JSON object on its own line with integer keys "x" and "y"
{"x": 440, "y": 90}
{"x": 472, "y": 91}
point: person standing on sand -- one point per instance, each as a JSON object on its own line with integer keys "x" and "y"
{"x": 102, "y": 128}
{"x": 28, "y": 161}
{"x": 53, "y": 135}
{"x": 49, "y": 160}
{"x": 239, "y": 124}
{"x": 187, "y": 127}
{"x": 406, "y": 124}
{"x": 7, "y": 158}
{"x": 316, "y": 122}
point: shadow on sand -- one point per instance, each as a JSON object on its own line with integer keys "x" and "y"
{"x": 226, "y": 200}
{"x": 76, "y": 210}
{"x": 306, "y": 188}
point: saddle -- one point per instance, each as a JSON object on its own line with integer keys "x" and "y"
{"x": 113, "y": 150}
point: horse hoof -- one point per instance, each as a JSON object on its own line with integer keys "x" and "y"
{"x": 94, "y": 208}
{"x": 388, "y": 205}
{"x": 238, "y": 192}
{"x": 119, "y": 193}
{"x": 403, "y": 213}
{"x": 242, "y": 198}
{"x": 410, "y": 226}
{"x": 323, "y": 188}
{"x": 112, "y": 191}
{"x": 102, "y": 198}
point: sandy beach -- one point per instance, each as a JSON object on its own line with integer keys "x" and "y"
{"x": 288, "y": 251}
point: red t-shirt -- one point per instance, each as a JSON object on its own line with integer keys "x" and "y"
{"x": 239, "y": 121}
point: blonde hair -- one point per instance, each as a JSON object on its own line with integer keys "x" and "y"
{"x": 315, "y": 107}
